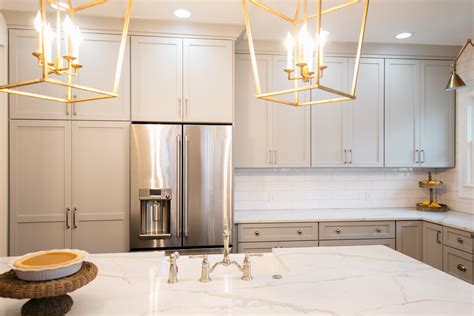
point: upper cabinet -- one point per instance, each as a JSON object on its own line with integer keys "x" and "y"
{"x": 268, "y": 134}
{"x": 419, "y": 114}
{"x": 350, "y": 133}
{"x": 176, "y": 80}
{"x": 97, "y": 73}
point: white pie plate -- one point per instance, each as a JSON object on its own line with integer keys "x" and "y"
{"x": 49, "y": 273}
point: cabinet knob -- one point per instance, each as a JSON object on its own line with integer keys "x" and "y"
{"x": 338, "y": 230}
{"x": 300, "y": 232}
{"x": 460, "y": 240}
{"x": 378, "y": 230}
{"x": 257, "y": 233}
{"x": 462, "y": 268}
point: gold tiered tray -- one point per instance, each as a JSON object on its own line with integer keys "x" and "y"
{"x": 47, "y": 298}
{"x": 431, "y": 205}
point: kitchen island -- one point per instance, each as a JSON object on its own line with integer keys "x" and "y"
{"x": 365, "y": 280}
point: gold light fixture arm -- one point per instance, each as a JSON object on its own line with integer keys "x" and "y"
{"x": 469, "y": 42}
{"x": 123, "y": 45}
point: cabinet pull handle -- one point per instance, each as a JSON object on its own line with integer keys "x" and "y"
{"x": 67, "y": 108}
{"x": 378, "y": 230}
{"x": 180, "y": 106}
{"x": 257, "y": 233}
{"x": 338, "y": 230}
{"x": 68, "y": 210}
{"x": 417, "y": 156}
{"x": 345, "y": 156}
{"x": 462, "y": 268}
{"x": 350, "y": 160}
{"x": 74, "y": 212}
{"x": 300, "y": 232}
{"x": 74, "y": 112}
{"x": 422, "y": 154}
{"x": 269, "y": 157}
{"x": 275, "y": 153}
{"x": 460, "y": 240}
{"x": 186, "y": 104}
{"x": 438, "y": 237}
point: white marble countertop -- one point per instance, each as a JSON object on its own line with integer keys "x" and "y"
{"x": 454, "y": 219}
{"x": 365, "y": 280}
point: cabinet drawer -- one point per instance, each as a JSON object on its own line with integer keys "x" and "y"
{"x": 257, "y": 247}
{"x": 358, "y": 242}
{"x": 278, "y": 232}
{"x": 356, "y": 230}
{"x": 298, "y": 244}
{"x": 458, "y": 263}
{"x": 458, "y": 239}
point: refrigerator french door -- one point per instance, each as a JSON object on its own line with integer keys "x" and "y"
{"x": 181, "y": 185}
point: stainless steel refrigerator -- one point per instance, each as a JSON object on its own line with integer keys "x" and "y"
{"x": 181, "y": 185}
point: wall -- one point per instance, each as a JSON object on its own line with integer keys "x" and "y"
{"x": 451, "y": 177}
{"x": 3, "y": 141}
{"x": 328, "y": 188}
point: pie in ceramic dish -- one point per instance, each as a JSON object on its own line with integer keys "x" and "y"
{"x": 48, "y": 265}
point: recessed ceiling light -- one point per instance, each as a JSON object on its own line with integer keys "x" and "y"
{"x": 404, "y": 35}
{"x": 182, "y": 13}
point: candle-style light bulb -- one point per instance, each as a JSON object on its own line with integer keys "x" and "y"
{"x": 69, "y": 30}
{"x": 48, "y": 43}
{"x": 289, "y": 44}
{"x": 309, "y": 54}
{"x": 39, "y": 28}
{"x": 302, "y": 43}
{"x": 76, "y": 42}
{"x": 323, "y": 38}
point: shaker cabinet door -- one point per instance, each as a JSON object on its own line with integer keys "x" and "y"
{"x": 433, "y": 245}
{"x": 23, "y": 66}
{"x": 40, "y": 185}
{"x": 157, "y": 79}
{"x": 100, "y": 186}
{"x": 409, "y": 238}
{"x": 99, "y": 73}
{"x": 402, "y": 113}
{"x": 252, "y": 126}
{"x": 208, "y": 80}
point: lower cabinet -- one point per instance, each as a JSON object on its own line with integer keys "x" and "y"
{"x": 69, "y": 186}
{"x": 260, "y": 247}
{"x": 433, "y": 245}
{"x": 410, "y": 238}
{"x": 458, "y": 263}
{"x": 358, "y": 242}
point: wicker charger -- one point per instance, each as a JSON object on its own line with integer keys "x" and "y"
{"x": 47, "y": 298}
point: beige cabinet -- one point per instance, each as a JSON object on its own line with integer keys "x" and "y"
{"x": 157, "y": 79}
{"x": 278, "y": 232}
{"x": 349, "y": 134}
{"x": 62, "y": 202}
{"x": 458, "y": 263}
{"x": 261, "y": 247}
{"x": 97, "y": 73}
{"x": 409, "y": 238}
{"x": 358, "y": 242}
{"x": 268, "y": 134}
{"x": 419, "y": 114}
{"x": 40, "y": 185}
{"x": 356, "y": 230}
{"x": 182, "y": 80}
{"x": 433, "y": 245}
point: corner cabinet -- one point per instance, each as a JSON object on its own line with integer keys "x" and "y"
{"x": 409, "y": 238}
{"x": 419, "y": 114}
{"x": 97, "y": 72}
{"x": 69, "y": 185}
{"x": 268, "y": 134}
{"x": 182, "y": 80}
{"x": 350, "y": 133}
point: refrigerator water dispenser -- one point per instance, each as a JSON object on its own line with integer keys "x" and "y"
{"x": 155, "y": 209}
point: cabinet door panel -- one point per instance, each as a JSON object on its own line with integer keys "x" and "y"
{"x": 401, "y": 112}
{"x": 328, "y": 120}
{"x": 366, "y": 119}
{"x": 24, "y": 66}
{"x": 433, "y": 245}
{"x": 40, "y": 191}
{"x": 410, "y": 238}
{"x": 100, "y": 187}
{"x": 291, "y": 125}
{"x": 437, "y": 115}
{"x": 157, "y": 97}
{"x": 208, "y": 80}
{"x": 252, "y": 135}
{"x": 99, "y": 73}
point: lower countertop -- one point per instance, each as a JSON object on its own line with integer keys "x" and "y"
{"x": 365, "y": 280}
{"x": 454, "y": 219}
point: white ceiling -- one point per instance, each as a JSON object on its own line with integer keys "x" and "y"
{"x": 431, "y": 21}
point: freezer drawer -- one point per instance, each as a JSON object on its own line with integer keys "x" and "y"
{"x": 207, "y": 183}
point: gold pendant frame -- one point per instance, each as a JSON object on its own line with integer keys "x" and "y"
{"x": 294, "y": 21}
{"x": 68, "y": 84}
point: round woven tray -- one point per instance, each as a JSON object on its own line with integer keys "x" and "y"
{"x": 48, "y": 298}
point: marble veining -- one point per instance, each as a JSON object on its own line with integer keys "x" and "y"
{"x": 454, "y": 219}
{"x": 361, "y": 280}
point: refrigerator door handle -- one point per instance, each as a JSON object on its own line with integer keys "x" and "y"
{"x": 178, "y": 177}
{"x": 185, "y": 177}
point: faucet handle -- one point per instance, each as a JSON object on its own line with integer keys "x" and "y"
{"x": 205, "y": 274}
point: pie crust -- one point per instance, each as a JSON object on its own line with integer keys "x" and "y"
{"x": 49, "y": 259}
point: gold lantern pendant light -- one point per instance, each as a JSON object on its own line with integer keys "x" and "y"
{"x": 305, "y": 53}
{"x": 66, "y": 65}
